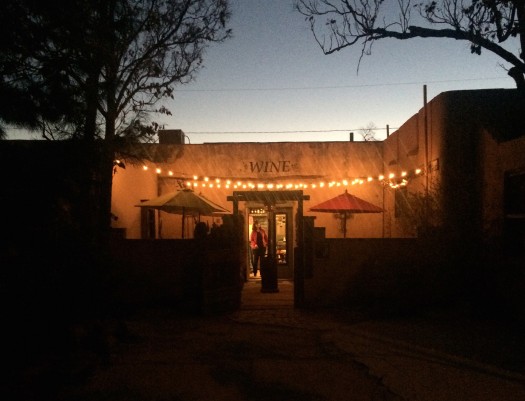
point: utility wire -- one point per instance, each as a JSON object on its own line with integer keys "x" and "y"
{"x": 313, "y": 88}
{"x": 339, "y": 86}
{"x": 317, "y": 88}
{"x": 288, "y": 132}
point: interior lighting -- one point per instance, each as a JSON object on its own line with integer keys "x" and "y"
{"x": 391, "y": 175}
{"x": 159, "y": 171}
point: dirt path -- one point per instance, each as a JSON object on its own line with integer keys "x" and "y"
{"x": 228, "y": 358}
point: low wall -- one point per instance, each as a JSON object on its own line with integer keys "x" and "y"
{"x": 390, "y": 273}
{"x": 187, "y": 274}
{"x": 394, "y": 275}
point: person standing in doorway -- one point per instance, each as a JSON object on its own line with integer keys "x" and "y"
{"x": 258, "y": 243}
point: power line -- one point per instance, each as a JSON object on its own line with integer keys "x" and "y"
{"x": 339, "y": 86}
{"x": 286, "y": 132}
{"x": 266, "y": 132}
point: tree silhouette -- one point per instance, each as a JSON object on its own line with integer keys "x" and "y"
{"x": 102, "y": 67}
{"x": 368, "y": 133}
{"x": 492, "y": 25}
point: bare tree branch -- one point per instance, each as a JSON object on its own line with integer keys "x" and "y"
{"x": 485, "y": 24}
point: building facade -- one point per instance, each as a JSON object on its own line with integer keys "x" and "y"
{"x": 455, "y": 156}
{"x": 453, "y": 174}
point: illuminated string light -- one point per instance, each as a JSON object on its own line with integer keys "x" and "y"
{"x": 393, "y": 181}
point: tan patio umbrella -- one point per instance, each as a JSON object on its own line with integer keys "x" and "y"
{"x": 346, "y": 204}
{"x": 184, "y": 202}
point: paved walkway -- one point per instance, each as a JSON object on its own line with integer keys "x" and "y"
{"x": 270, "y": 351}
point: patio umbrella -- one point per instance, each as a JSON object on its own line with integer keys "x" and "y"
{"x": 184, "y": 202}
{"x": 346, "y": 204}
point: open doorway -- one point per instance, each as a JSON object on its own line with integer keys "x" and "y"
{"x": 283, "y": 243}
{"x": 281, "y": 213}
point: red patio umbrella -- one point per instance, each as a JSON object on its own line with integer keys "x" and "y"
{"x": 346, "y": 204}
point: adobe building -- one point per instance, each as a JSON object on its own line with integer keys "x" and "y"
{"x": 454, "y": 172}
{"x": 464, "y": 150}
{"x": 450, "y": 182}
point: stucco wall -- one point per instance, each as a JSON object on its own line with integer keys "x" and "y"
{"x": 385, "y": 273}
{"x": 301, "y": 164}
{"x": 188, "y": 275}
{"x": 130, "y": 186}
{"x": 458, "y": 141}
{"x": 464, "y": 142}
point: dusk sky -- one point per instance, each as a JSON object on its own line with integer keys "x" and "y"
{"x": 271, "y": 81}
{"x": 272, "y": 78}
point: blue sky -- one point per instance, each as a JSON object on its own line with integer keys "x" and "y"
{"x": 271, "y": 82}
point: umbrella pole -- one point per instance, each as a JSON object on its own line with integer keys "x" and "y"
{"x": 159, "y": 228}
{"x": 344, "y": 224}
{"x": 183, "y": 219}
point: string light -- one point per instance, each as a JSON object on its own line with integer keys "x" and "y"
{"x": 270, "y": 184}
